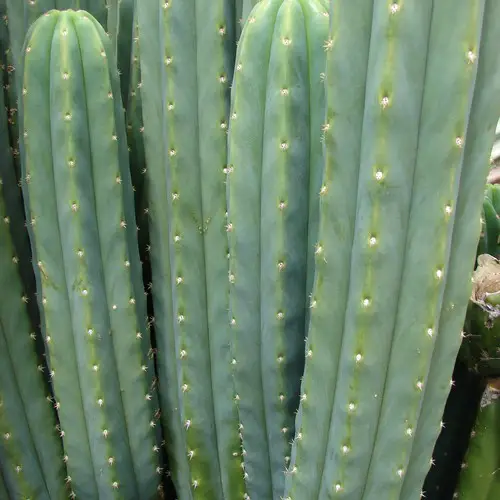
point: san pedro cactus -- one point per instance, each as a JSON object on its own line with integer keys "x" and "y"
{"x": 21, "y": 14}
{"x": 275, "y": 162}
{"x": 79, "y": 206}
{"x": 479, "y": 479}
{"x": 490, "y": 219}
{"x": 187, "y": 52}
{"x": 405, "y": 160}
{"x": 31, "y": 454}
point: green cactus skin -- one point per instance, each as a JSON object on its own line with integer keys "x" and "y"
{"x": 479, "y": 477}
{"x": 435, "y": 189}
{"x": 345, "y": 100}
{"x": 22, "y": 13}
{"x": 136, "y": 144}
{"x": 480, "y": 134}
{"x": 460, "y": 414}
{"x": 186, "y": 64}
{"x": 79, "y": 204}
{"x": 395, "y": 150}
{"x": 31, "y": 453}
{"x": 490, "y": 231}
{"x": 3, "y": 486}
{"x": 275, "y": 154}
{"x": 120, "y": 27}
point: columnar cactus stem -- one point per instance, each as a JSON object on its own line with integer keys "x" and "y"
{"x": 435, "y": 188}
{"x": 478, "y": 140}
{"x": 80, "y": 209}
{"x": 31, "y": 454}
{"x": 350, "y": 27}
{"x": 479, "y": 475}
{"x": 400, "y": 231}
{"x": 275, "y": 147}
{"x": 187, "y": 56}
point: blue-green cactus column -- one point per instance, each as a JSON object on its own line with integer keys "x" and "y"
{"x": 455, "y": 44}
{"x": 350, "y": 27}
{"x": 187, "y": 52}
{"x": 479, "y": 476}
{"x": 388, "y": 254}
{"x": 478, "y": 141}
{"x": 275, "y": 161}
{"x": 31, "y": 453}
{"x": 80, "y": 210}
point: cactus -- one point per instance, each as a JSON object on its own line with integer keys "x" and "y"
{"x": 392, "y": 187}
{"x": 479, "y": 477}
{"x": 275, "y": 157}
{"x": 79, "y": 205}
{"x": 186, "y": 64}
{"x": 458, "y": 420}
{"x": 31, "y": 454}
{"x": 120, "y": 26}
{"x": 490, "y": 232}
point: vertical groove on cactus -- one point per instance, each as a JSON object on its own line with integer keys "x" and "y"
{"x": 80, "y": 207}
{"x": 345, "y": 96}
{"x": 478, "y": 140}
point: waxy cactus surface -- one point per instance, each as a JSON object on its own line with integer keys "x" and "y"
{"x": 403, "y": 154}
{"x": 274, "y": 176}
{"x": 79, "y": 206}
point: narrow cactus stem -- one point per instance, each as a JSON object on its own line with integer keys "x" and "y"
{"x": 345, "y": 95}
{"x": 479, "y": 475}
{"x": 186, "y": 65}
{"x": 80, "y": 211}
{"x": 478, "y": 140}
{"x": 28, "y": 435}
{"x": 275, "y": 147}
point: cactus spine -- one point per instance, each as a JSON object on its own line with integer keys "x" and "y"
{"x": 79, "y": 205}
{"x": 187, "y": 64}
{"x": 275, "y": 147}
{"x": 376, "y": 358}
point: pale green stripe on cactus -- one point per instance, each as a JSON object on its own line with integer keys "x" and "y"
{"x": 80, "y": 209}
{"x": 478, "y": 140}
{"x": 479, "y": 478}
{"x": 275, "y": 147}
{"x": 393, "y": 103}
{"x": 453, "y": 46}
{"x": 187, "y": 52}
{"x": 350, "y": 27}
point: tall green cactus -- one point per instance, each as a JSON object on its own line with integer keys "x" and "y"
{"x": 187, "y": 52}
{"x": 479, "y": 479}
{"x": 394, "y": 181}
{"x": 79, "y": 204}
{"x": 31, "y": 455}
{"x": 275, "y": 157}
